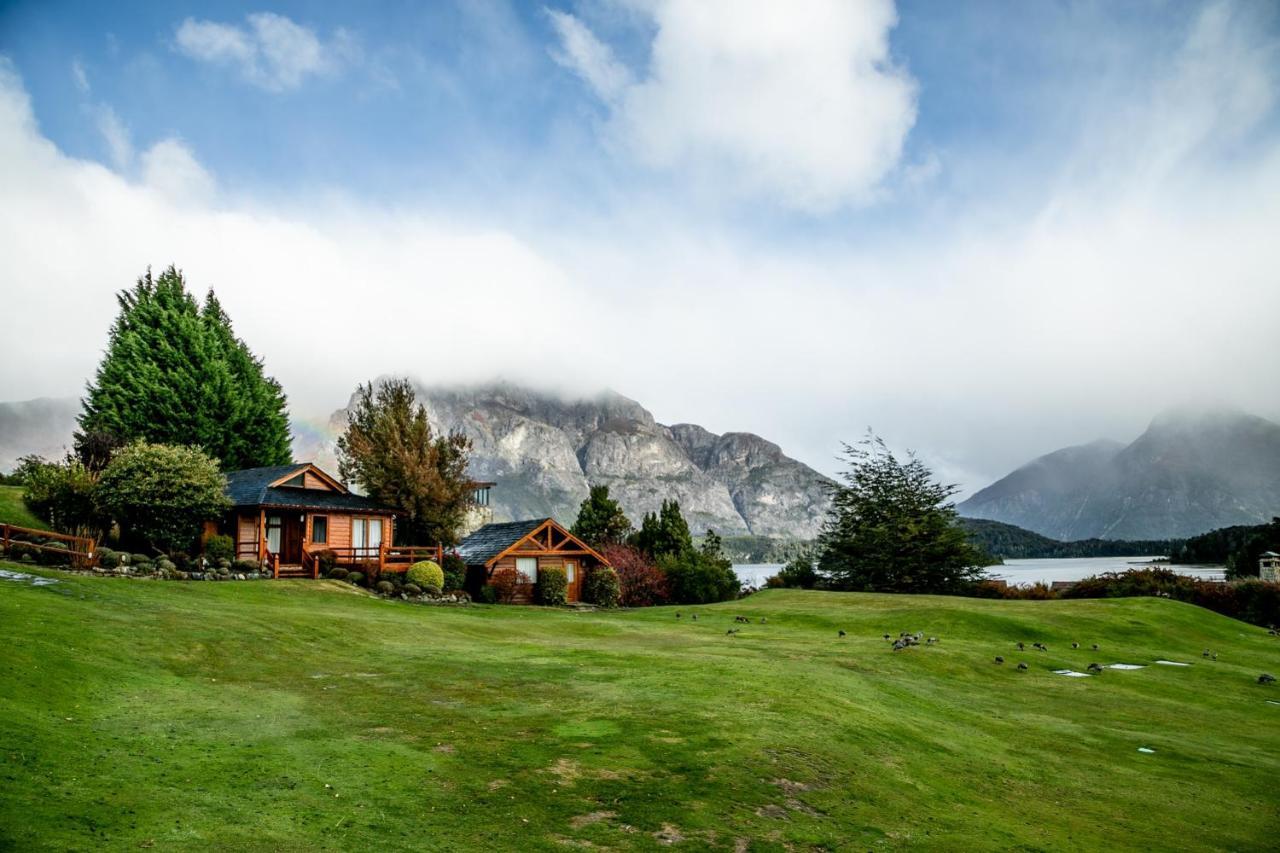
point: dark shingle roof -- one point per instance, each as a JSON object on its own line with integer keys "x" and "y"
{"x": 492, "y": 539}
{"x": 252, "y": 487}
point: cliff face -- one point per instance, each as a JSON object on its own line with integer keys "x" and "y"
{"x": 1190, "y": 472}
{"x": 545, "y": 453}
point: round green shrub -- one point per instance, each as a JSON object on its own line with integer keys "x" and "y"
{"x": 246, "y": 565}
{"x": 55, "y": 554}
{"x": 412, "y": 589}
{"x": 600, "y": 587}
{"x": 386, "y": 587}
{"x": 356, "y": 578}
{"x": 455, "y": 573}
{"x": 135, "y": 559}
{"x": 488, "y": 595}
{"x": 552, "y": 586}
{"x": 166, "y": 565}
{"x": 425, "y": 573}
{"x": 431, "y": 590}
{"x": 26, "y": 558}
{"x": 107, "y": 558}
{"x": 219, "y": 548}
{"x": 338, "y": 573}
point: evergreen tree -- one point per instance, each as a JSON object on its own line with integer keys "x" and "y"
{"x": 390, "y": 449}
{"x": 601, "y": 520}
{"x": 664, "y": 533}
{"x": 175, "y": 373}
{"x": 892, "y": 528}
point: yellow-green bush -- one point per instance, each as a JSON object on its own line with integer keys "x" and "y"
{"x": 424, "y": 574}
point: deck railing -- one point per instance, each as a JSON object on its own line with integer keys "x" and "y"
{"x": 82, "y": 550}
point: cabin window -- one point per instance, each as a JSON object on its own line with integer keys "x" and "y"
{"x": 298, "y": 481}
{"x": 274, "y": 525}
{"x": 480, "y": 497}
{"x": 320, "y": 529}
{"x": 570, "y": 571}
{"x": 366, "y": 535}
{"x": 527, "y": 568}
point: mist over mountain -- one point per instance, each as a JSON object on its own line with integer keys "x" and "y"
{"x": 1189, "y": 472}
{"x": 42, "y": 427}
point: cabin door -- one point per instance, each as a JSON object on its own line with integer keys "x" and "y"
{"x": 572, "y": 574}
{"x": 284, "y": 537}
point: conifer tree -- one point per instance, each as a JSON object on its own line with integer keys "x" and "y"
{"x": 175, "y": 373}
{"x": 601, "y": 520}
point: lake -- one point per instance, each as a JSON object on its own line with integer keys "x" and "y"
{"x": 1023, "y": 571}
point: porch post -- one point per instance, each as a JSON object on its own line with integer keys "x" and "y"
{"x": 262, "y": 535}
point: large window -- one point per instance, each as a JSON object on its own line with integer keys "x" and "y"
{"x": 366, "y": 536}
{"x": 527, "y": 568}
{"x": 320, "y": 529}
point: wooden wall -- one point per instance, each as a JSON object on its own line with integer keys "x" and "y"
{"x": 585, "y": 564}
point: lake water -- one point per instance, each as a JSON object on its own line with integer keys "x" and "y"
{"x": 1023, "y": 571}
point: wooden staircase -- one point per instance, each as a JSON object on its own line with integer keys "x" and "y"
{"x": 294, "y": 571}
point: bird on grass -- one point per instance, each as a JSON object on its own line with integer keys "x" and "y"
{"x": 763, "y": 620}
{"x": 1075, "y": 645}
{"x": 1205, "y": 653}
{"x": 694, "y": 617}
{"x": 1095, "y": 647}
{"x": 731, "y": 631}
{"x": 677, "y": 614}
{"x": 886, "y": 636}
{"x": 899, "y": 645}
{"x": 1021, "y": 646}
{"x": 1022, "y": 667}
{"x": 1266, "y": 678}
{"x": 999, "y": 659}
{"x": 842, "y": 633}
{"x": 1093, "y": 667}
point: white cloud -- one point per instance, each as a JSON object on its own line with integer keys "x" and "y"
{"x": 271, "y": 52}
{"x": 172, "y": 170}
{"x": 116, "y": 136}
{"x": 79, "y": 77}
{"x": 797, "y": 102}
{"x": 586, "y": 55}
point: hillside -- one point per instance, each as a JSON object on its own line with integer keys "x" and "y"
{"x": 301, "y": 715}
{"x": 546, "y": 451}
{"x": 1188, "y": 473}
{"x": 1009, "y": 542}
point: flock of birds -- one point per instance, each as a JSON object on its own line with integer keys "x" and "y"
{"x": 906, "y": 639}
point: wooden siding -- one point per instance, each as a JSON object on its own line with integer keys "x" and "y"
{"x": 574, "y": 591}
{"x": 311, "y": 481}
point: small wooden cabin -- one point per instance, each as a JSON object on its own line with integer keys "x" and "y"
{"x": 284, "y": 515}
{"x": 528, "y": 547}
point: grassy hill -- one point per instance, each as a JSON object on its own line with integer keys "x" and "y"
{"x": 14, "y": 511}
{"x": 305, "y": 715}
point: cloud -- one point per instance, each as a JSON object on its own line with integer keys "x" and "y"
{"x": 799, "y": 103}
{"x": 116, "y": 136}
{"x": 171, "y": 169}
{"x": 271, "y": 52}
{"x": 79, "y": 77}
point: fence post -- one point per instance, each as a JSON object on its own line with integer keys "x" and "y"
{"x": 6, "y": 540}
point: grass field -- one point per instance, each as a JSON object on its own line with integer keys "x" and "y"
{"x": 305, "y": 715}
{"x": 14, "y": 511}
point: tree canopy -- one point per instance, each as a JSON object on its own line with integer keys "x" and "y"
{"x": 601, "y": 520}
{"x": 175, "y": 373}
{"x": 390, "y": 450}
{"x": 664, "y": 532}
{"x": 892, "y": 528}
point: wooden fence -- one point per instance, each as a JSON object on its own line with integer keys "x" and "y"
{"x": 81, "y": 550}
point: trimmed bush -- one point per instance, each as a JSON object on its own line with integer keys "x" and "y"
{"x": 412, "y": 589}
{"x": 55, "y": 554}
{"x": 455, "y": 573}
{"x": 426, "y": 573}
{"x": 488, "y": 595}
{"x": 166, "y": 565}
{"x": 600, "y": 587}
{"x": 135, "y": 559}
{"x": 246, "y": 565}
{"x": 108, "y": 558}
{"x": 640, "y": 582}
{"x": 506, "y": 584}
{"x": 356, "y": 578}
{"x": 431, "y": 590}
{"x": 219, "y": 548}
{"x": 328, "y": 561}
{"x": 552, "y": 586}
{"x": 386, "y": 587}
{"x": 338, "y": 573}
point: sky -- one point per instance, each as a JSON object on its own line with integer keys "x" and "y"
{"x": 985, "y": 230}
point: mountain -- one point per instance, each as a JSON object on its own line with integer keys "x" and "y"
{"x": 545, "y": 452}
{"x": 1189, "y": 472}
{"x": 1008, "y": 542}
{"x": 43, "y": 427}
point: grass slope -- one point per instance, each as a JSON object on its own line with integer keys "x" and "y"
{"x": 14, "y": 511}
{"x": 303, "y": 715}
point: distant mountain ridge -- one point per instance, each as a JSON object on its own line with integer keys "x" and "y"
{"x": 545, "y": 452}
{"x": 1189, "y": 472}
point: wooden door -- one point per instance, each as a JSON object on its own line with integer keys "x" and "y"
{"x": 292, "y": 532}
{"x": 572, "y": 574}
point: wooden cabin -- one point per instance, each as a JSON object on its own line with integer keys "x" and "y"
{"x": 527, "y": 547}
{"x": 284, "y": 515}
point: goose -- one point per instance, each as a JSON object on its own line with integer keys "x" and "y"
{"x": 1022, "y": 667}
{"x": 999, "y": 659}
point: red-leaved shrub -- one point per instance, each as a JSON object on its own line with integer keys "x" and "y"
{"x": 642, "y": 583}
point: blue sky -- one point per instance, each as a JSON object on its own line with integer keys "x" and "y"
{"x": 806, "y": 217}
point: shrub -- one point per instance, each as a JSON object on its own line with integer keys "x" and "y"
{"x": 386, "y": 587}
{"x": 219, "y": 548}
{"x": 54, "y": 554}
{"x": 600, "y": 587}
{"x": 506, "y": 585}
{"x": 161, "y": 494}
{"x": 774, "y": 582}
{"x": 108, "y": 558}
{"x": 431, "y": 590}
{"x": 338, "y": 573}
{"x": 799, "y": 573}
{"x": 412, "y": 589}
{"x": 356, "y": 578}
{"x": 61, "y": 493}
{"x": 640, "y": 582}
{"x": 425, "y": 573}
{"x": 181, "y": 560}
{"x": 327, "y": 560}
{"x": 488, "y": 594}
{"x": 136, "y": 559}
{"x": 455, "y": 573}
{"x": 552, "y": 586}
{"x": 699, "y": 578}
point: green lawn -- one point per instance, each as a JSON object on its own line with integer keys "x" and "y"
{"x": 304, "y": 715}
{"x": 14, "y": 511}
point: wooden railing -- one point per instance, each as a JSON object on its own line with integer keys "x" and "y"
{"x": 400, "y": 558}
{"x": 82, "y": 550}
{"x": 310, "y": 565}
{"x": 381, "y": 558}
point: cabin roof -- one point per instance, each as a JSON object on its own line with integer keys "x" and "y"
{"x": 260, "y": 487}
{"x": 492, "y": 539}
{"x": 1270, "y": 554}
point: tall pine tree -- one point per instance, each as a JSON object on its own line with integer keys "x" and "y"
{"x": 175, "y": 373}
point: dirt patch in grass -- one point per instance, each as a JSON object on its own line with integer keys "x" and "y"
{"x": 668, "y": 835}
{"x": 593, "y": 817}
{"x": 791, "y": 788}
{"x": 772, "y": 810}
{"x": 498, "y": 783}
{"x": 566, "y": 771}
{"x": 446, "y": 748}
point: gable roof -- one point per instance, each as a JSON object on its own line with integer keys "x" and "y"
{"x": 255, "y": 487}
{"x": 492, "y": 539}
